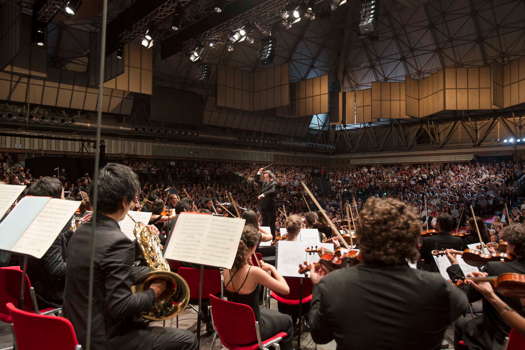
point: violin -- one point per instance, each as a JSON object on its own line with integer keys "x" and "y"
{"x": 507, "y": 284}
{"x": 429, "y": 232}
{"x": 462, "y": 232}
{"x": 475, "y": 257}
{"x": 348, "y": 237}
{"x": 330, "y": 261}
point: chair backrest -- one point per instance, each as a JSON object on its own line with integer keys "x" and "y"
{"x": 516, "y": 340}
{"x": 298, "y": 291}
{"x": 234, "y": 322}
{"x": 10, "y": 291}
{"x": 34, "y": 331}
{"x": 212, "y": 281}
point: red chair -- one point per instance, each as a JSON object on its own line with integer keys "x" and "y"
{"x": 237, "y": 328}
{"x": 34, "y": 331}
{"x": 516, "y": 340}
{"x": 10, "y": 291}
{"x": 212, "y": 281}
{"x": 299, "y": 294}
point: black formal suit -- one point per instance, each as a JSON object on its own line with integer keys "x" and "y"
{"x": 384, "y": 308}
{"x": 440, "y": 241}
{"x": 267, "y": 204}
{"x": 487, "y": 331}
{"x": 116, "y": 323}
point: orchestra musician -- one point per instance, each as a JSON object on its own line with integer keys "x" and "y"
{"x": 440, "y": 241}
{"x": 243, "y": 283}
{"x": 488, "y": 331}
{"x": 116, "y": 311}
{"x": 251, "y": 219}
{"x": 267, "y": 198}
{"x": 48, "y": 274}
{"x": 293, "y": 225}
{"x": 382, "y": 303}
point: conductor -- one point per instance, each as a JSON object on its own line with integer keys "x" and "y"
{"x": 267, "y": 198}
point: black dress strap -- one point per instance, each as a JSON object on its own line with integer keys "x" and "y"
{"x": 245, "y": 278}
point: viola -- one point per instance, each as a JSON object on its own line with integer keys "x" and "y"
{"x": 476, "y": 257}
{"x": 507, "y": 284}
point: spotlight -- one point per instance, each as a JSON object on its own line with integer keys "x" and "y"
{"x": 219, "y": 6}
{"x": 212, "y": 44}
{"x": 267, "y": 50}
{"x": 250, "y": 40}
{"x": 72, "y": 7}
{"x": 230, "y": 48}
{"x": 205, "y": 72}
{"x": 196, "y": 54}
{"x": 309, "y": 13}
{"x": 39, "y": 34}
{"x": 147, "y": 40}
{"x": 368, "y": 16}
{"x": 291, "y": 15}
{"x": 176, "y": 22}
{"x": 238, "y": 35}
{"x": 511, "y": 140}
{"x": 505, "y": 141}
{"x": 336, "y": 3}
{"x": 120, "y": 52}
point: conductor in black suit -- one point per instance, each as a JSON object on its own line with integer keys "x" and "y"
{"x": 267, "y": 198}
{"x": 382, "y": 303}
{"x": 488, "y": 331}
{"x": 440, "y": 241}
{"x": 116, "y": 322}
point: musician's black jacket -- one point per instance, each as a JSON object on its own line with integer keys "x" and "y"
{"x": 490, "y": 326}
{"x": 440, "y": 241}
{"x": 115, "y": 308}
{"x": 269, "y": 189}
{"x": 384, "y": 308}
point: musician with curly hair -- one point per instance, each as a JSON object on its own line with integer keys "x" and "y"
{"x": 382, "y": 303}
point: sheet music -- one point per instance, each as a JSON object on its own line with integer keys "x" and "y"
{"x": 8, "y": 195}
{"x": 290, "y": 254}
{"x": 19, "y": 219}
{"x": 127, "y": 225}
{"x": 443, "y": 263}
{"x": 205, "y": 239}
{"x": 310, "y": 235}
{"x": 45, "y": 228}
{"x": 267, "y": 243}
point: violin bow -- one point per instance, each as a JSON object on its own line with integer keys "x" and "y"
{"x": 213, "y": 207}
{"x": 348, "y": 221}
{"x": 508, "y": 214}
{"x": 356, "y": 210}
{"x": 284, "y": 211}
{"x": 328, "y": 220}
{"x": 307, "y": 205}
{"x": 426, "y": 212}
{"x": 234, "y": 204}
{"x": 483, "y": 246}
{"x": 193, "y": 206}
{"x": 460, "y": 217}
{"x": 226, "y": 210}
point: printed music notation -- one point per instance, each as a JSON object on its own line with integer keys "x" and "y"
{"x": 205, "y": 239}
{"x": 8, "y": 195}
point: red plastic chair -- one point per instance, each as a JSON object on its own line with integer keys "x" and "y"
{"x": 516, "y": 340}
{"x": 33, "y": 331}
{"x": 212, "y": 281}
{"x": 237, "y": 328}
{"x": 298, "y": 294}
{"x": 10, "y": 291}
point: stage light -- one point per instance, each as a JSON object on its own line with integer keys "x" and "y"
{"x": 120, "y": 52}
{"x": 147, "y": 40}
{"x": 205, "y": 72}
{"x": 230, "y": 48}
{"x": 267, "y": 50}
{"x": 336, "y": 3}
{"x": 238, "y": 35}
{"x": 72, "y": 7}
{"x": 250, "y": 40}
{"x": 212, "y": 44}
{"x": 309, "y": 13}
{"x": 196, "y": 54}
{"x": 368, "y": 16}
{"x": 176, "y": 22}
{"x": 39, "y": 34}
{"x": 505, "y": 141}
{"x": 511, "y": 140}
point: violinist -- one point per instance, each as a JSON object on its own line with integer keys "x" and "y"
{"x": 382, "y": 303}
{"x": 442, "y": 240}
{"x": 243, "y": 281}
{"x": 473, "y": 238}
{"x": 488, "y": 331}
{"x": 251, "y": 219}
{"x": 172, "y": 201}
{"x": 293, "y": 224}
{"x": 311, "y": 219}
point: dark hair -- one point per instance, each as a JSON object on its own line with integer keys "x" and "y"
{"x": 251, "y": 218}
{"x": 445, "y": 222}
{"x": 46, "y": 187}
{"x": 515, "y": 235}
{"x": 182, "y": 206}
{"x": 116, "y": 182}
{"x": 157, "y": 206}
{"x": 389, "y": 232}
{"x": 250, "y": 238}
{"x": 311, "y": 218}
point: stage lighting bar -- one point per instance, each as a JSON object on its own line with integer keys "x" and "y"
{"x": 238, "y": 35}
{"x": 267, "y": 50}
{"x": 369, "y": 10}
